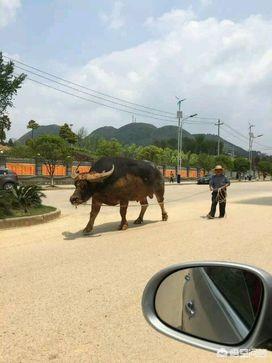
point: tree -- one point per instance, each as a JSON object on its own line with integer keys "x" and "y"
{"x": 189, "y": 159}
{"x": 10, "y": 142}
{"x": 225, "y": 161}
{"x": 131, "y": 151}
{"x": 20, "y": 151}
{"x": 241, "y": 164}
{"x": 52, "y": 150}
{"x": 5, "y": 124}
{"x": 33, "y": 125}
{"x": 205, "y": 162}
{"x": 81, "y": 135}
{"x": 67, "y": 134}
{"x": 9, "y": 85}
{"x": 168, "y": 156}
{"x": 108, "y": 148}
{"x": 151, "y": 153}
{"x": 265, "y": 167}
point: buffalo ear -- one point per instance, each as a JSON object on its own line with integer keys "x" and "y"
{"x": 76, "y": 172}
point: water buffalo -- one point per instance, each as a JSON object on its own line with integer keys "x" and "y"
{"x": 116, "y": 180}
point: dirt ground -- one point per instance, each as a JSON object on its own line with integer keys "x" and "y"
{"x": 69, "y": 298}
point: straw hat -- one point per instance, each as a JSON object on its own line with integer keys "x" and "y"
{"x": 219, "y": 167}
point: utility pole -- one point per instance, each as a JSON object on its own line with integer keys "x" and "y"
{"x": 180, "y": 134}
{"x": 179, "y": 117}
{"x": 250, "y": 144}
{"x": 218, "y": 124}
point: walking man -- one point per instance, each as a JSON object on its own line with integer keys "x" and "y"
{"x": 171, "y": 177}
{"x": 218, "y": 186}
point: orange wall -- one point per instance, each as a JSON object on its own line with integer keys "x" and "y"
{"x": 60, "y": 170}
{"x": 29, "y": 169}
{"x": 22, "y": 168}
{"x": 192, "y": 173}
{"x": 81, "y": 169}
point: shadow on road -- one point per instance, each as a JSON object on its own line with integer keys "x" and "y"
{"x": 257, "y": 201}
{"x": 103, "y": 228}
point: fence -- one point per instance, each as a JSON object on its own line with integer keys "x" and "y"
{"x": 35, "y": 168}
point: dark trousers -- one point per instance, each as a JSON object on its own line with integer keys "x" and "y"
{"x": 222, "y": 206}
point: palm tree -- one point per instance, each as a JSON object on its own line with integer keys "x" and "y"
{"x": 33, "y": 125}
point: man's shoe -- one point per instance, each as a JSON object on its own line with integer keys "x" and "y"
{"x": 221, "y": 216}
{"x": 209, "y": 216}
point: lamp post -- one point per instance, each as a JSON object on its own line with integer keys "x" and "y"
{"x": 251, "y": 140}
{"x": 180, "y": 134}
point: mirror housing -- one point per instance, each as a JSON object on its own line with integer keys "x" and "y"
{"x": 260, "y": 335}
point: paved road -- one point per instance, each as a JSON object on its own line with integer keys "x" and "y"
{"x": 69, "y": 298}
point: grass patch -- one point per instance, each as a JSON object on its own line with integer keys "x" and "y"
{"x": 33, "y": 211}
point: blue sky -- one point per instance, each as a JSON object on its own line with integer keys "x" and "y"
{"x": 146, "y": 52}
{"x": 72, "y": 32}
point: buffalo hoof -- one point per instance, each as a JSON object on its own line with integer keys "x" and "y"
{"x": 87, "y": 231}
{"x": 164, "y": 216}
{"x": 138, "y": 221}
{"x": 123, "y": 227}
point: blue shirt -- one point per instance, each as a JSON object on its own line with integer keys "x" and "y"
{"x": 218, "y": 181}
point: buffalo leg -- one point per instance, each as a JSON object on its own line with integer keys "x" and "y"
{"x": 144, "y": 205}
{"x": 160, "y": 198}
{"x": 123, "y": 211}
{"x": 94, "y": 212}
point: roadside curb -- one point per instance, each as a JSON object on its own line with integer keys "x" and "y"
{"x": 29, "y": 220}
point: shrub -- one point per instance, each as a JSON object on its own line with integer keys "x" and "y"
{"x": 6, "y": 202}
{"x": 26, "y": 196}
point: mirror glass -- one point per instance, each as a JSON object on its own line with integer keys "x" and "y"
{"x": 219, "y": 304}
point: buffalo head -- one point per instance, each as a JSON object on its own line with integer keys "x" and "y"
{"x": 86, "y": 184}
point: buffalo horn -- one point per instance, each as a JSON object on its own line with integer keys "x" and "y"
{"x": 98, "y": 177}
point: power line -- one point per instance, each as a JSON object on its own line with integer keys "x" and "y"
{"x": 238, "y": 132}
{"x": 87, "y": 88}
{"x": 89, "y": 94}
{"x": 143, "y": 114}
{"x": 97, "y": 92}
{"x": 218, "y": 124}
{"x": 198, "y": 123}
{"x": 229, "y": 133}
{"x": 95, "y": 102}
{"x": 111, "y": 107}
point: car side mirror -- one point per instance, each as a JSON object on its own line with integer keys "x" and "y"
{"x": 212, "y": 305}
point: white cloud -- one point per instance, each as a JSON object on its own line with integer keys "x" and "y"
{"x": 8, "y": 10}
{"x": 206, "y": 2}
{"x": 114, "y": 20}
{"x": 223, "y": 68}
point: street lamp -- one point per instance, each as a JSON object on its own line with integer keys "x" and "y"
{"x": 180, "y": 134}
{"x": 251, "y": 140}
{"x": 179, "y": 117}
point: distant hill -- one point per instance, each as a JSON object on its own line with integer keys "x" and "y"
{"x": 41, "y": 130}
{"x": 229, "y": 148}
{"x": 138, "y": 133}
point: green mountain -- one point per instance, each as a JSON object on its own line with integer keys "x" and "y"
{"x": 41, "y": 130}
{"x": 229, "y": 148}
{"x": 138, "y": 133}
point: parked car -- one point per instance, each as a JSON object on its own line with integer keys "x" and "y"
{"x": 8, "y": 178}
{"x": 204, "y": 179}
